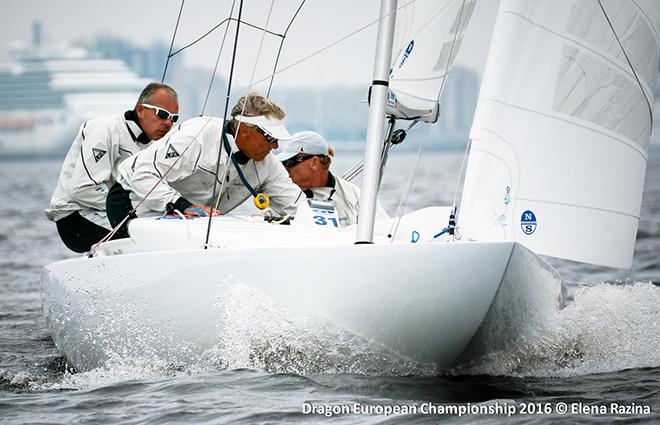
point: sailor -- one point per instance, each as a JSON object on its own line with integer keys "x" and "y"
{"x": 307, "y": 158}
{"x": 181, "y": 172}
{"x": 90, "y": 167}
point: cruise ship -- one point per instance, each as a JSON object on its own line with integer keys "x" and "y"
{"x": 47, "y": 89}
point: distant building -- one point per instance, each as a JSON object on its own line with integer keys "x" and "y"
{"x": 148, "y": 62}
{"x": 339, "y": 113}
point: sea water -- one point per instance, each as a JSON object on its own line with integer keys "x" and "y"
{"x": 594, "y": 361}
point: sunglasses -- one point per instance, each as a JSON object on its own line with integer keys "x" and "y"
{"x": 268, "y": 137}
{"x": 163, "y": 114}
{"x": 293, "y": 161}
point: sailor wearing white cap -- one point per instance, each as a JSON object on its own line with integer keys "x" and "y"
{"x": 255, "y": 130}
{"x": 307, "y": 157}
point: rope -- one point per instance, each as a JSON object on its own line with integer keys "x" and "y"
{"x": 225, "y": 172}
{"x": 114, "y": 230}
{"x": 356, "y": 169}
{"x": 217, "y": 60}
{"x": 460, "y": 171}
{"x": 279, "y": 51}
{"x": 639, "y": 83}
{"x": 411, "y": 181}
{"x": 218, "y": 26}
{"x": 261, "y": 43}
{"x": 96, "y": 246}
{"x": 169, "y": 54}
{"x": 323, "y": 49}
{"x": 224, "y": 127}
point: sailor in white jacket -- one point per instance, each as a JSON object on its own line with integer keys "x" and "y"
{"x": 186, "y": 161}
{"x": 307, "y": 157}
{"x": 90, "y": 167}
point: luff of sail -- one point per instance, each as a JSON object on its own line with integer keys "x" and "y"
{"x": 427, "y": 38}
{"x": 562, "y": 126}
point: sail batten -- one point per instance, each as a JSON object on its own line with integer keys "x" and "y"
{"x": 562, "y": 127}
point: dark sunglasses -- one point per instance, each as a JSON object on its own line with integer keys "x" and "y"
{"x": 268, "y": 137}
{"x": 293, "y": 161}
{"x": 161, "y": 113}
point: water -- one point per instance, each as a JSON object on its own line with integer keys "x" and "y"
{"x": 600, "y": 350}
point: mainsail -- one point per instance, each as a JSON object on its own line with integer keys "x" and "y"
{"x": 562, "y": 127}
{"x": 427, "y": 38}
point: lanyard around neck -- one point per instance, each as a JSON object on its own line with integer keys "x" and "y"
{"x": 241, "y": 176}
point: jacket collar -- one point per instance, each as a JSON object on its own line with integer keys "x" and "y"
{"x": 331, "y": 180}
{"x": 134, "y": 128}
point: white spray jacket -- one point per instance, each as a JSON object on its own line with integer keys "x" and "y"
{"x": 193, "y": 149}
{"x": 345, "y": 196}
{"x": 90, "y": 166}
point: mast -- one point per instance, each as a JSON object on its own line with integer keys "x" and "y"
{"x": 372, "y": 153}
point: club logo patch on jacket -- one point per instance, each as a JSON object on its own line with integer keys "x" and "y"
{"x": 171, "y": 152}
{"x": 98, "y": 154}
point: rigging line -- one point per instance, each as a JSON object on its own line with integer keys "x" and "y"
{"x": 225, "y": 171}
{"x": 428, "y": 22}
{"x": 254, "y": 70}
{"x": 279, "y": 51}
{"x": 261, "y": 43}
{"x": 321, "y": 50}
{"x": 461, "y": 170}
{"x": 219, "y": 25}
{"x": 224, "y": 127}
{"x": 641, "y": 87}
{"x": 411, "y": 181}
{"x": 144, "y": 198}
{"x": 169, "y": 54}
{"x": 451, "y": 50}
{"x": 357, "y": 168}
{"x": 217, "y": 60}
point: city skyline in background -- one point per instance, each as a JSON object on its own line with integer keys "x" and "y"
{"x": 326, "y": 92}
{"x": 338, "y": 111}
{"x": 316, "y": 26}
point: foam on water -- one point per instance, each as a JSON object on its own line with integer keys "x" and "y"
{"x": 256, "y": 333}
{"x": 251, "y": 332}
{"x": 607, "y": 327}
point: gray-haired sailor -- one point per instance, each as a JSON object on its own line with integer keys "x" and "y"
{"x": 254, "y": 130}
{"x": 90, "y": 167}
{"x": 307, "y": 158}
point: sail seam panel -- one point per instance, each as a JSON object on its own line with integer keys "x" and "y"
{"x": 623, "y": 69}
{"x": 444, "y": 74}
{"x": 586, "y": 207}
{"x": 624, "y": 142}
{"x": 646, "y": 18}
{"x": 399, "y": 91}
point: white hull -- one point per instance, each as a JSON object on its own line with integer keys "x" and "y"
{"x": 424, "y": 302}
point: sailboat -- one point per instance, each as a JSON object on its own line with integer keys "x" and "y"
{"x": 556, "y": 167}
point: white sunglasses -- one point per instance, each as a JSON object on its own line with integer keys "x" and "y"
{"x": 161, "y": 113}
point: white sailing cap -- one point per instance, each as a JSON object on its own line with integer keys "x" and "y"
{"x": 272, "y": 126}
{"x": 308, "y": 142}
